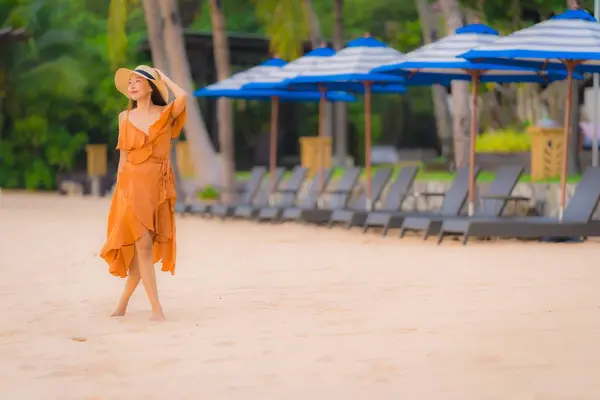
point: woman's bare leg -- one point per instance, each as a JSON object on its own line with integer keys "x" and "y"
{"x": 143, "y": 248}
{"x": 133, "y": 279}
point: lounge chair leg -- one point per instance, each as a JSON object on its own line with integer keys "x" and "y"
{"x": 402, "y": 232}
{"x": 330, "y": 224}
{"x": 365, "y": 228}
{"x": 386, "y": 228}
{"x": 426, "y": 234}
{"x": 440, "y": 237}
{"x": 349, "y": 225}
{"x": 465, "y": 239}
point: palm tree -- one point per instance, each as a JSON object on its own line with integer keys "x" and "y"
{"x": 286, "y": 24}
{"x": 202, "y": 151}
{"x": 314, "y": 25}
{"x": 160, "y": 60}
{"x": 460, "y": 91}
{"x": 222, "y": 63}
{"x": 340, "y": 108}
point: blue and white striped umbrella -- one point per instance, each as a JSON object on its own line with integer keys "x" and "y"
{"x": 441, "y": 61}
{"x": 350, "y": 70}
{"x": 232, "y": 87}
{"x": 569, "y": 41}
{"x": 308, "y": 62}
{"x": 291, "y": 70}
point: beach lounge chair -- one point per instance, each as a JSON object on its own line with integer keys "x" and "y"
{"x": 262, "y": 198}
{"x": 453, "y": 202}
{"x": 493, "y": 204}
{"x": 358, "y": 206}
{"x": 289, "y": 203}
{"x": 336, "y": 198}
{"x": 357, "y": 216}
{"x": 398, "y": 192}
{"x": 576, "y": 221}
{"x": 252, "y": 187}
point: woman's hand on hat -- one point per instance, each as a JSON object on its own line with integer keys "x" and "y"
{"x": 161, "y": 74}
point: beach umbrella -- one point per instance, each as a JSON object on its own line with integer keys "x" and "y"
{"x": 350, "y": 70}
{"x": 568, "y": 42}
{"x": 274, "y": 81}
{"x": 441, "y": 61}
{"x": 232, "y": 87}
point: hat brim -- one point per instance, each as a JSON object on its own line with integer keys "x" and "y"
{"x": 122, "y": 82}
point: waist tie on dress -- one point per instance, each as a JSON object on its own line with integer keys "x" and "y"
{"x": 167, "y": 180}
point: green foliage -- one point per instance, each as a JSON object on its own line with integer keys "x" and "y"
{"x": 286, "y": 24}
{"x": 507, "y": 16}
{"x": 117, "y": 35}
{"x": 503, "y": 141}
{"x": 56, "y": 89}
{"x": 208, "y": 193}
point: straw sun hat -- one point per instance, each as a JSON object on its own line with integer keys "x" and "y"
{"x": 123, "y": 74}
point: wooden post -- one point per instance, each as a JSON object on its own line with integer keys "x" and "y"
{"x": 474, "y": 129}
{"x": 96, "y": 166}
{"x": 273, "y": 142}
{"x": 322, "y": 128}
{"x": 368, "y": 145}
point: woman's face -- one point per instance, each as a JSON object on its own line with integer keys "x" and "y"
{"x": 138, "y": 87}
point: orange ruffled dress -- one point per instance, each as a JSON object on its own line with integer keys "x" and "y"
{"x": 144, "y": 197}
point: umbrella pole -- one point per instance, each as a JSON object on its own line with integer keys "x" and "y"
{"x": 570, "y": 64}
{"x": 595, "y": 103}
{"x": 474, "y": 128}
{"x": 273, "y": 142}
{"x": 368, "y": 144}
{"x": 321, "y": 147}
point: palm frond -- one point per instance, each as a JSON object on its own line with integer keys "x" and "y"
{"x": 117, "y": 35}
{"x": 286, "y": 25}
{"x": 57, "y": 37}
{"x": 63, "y": 75}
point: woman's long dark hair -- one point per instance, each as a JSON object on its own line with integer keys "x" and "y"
{"x": 155, "y": 97}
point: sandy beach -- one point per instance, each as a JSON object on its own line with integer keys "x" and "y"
{"x": 292, "y": 312}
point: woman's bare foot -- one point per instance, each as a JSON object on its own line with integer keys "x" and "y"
{"x": 119, "y": 312}
{"x": 158, "y": 316}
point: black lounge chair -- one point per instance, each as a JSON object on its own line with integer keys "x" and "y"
{"x": 289, "y": 206}
{"x": 454, "y": 199}
{"x": 398, "y": 192}
{"x": 357, "y": 211}
{"x": 493, "y": 204}
{"x": 576, "y": 221}
{"x": 252, "y": 187}
{"x": 265, "y": 195}
{"x": 256, "y": 176}
{"x": 358, "y": 215}
{"x": 337, "y": 198}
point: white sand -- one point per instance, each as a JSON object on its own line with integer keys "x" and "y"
{"x": 292, "y": 312}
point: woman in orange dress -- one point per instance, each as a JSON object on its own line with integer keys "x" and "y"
{"x": 141, "y": 221}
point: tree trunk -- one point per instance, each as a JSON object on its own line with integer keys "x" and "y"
{"x": 204, "y": 156}
{"x": 225, "y": 116}
{"x": 313, "y": 24}
{"x": 155, "y": 26}
{"x": 340, "y": 108}
{"x": 314, "y": 32}
{"x": 440, "y": 105}
{"x": 460, "y": 92}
